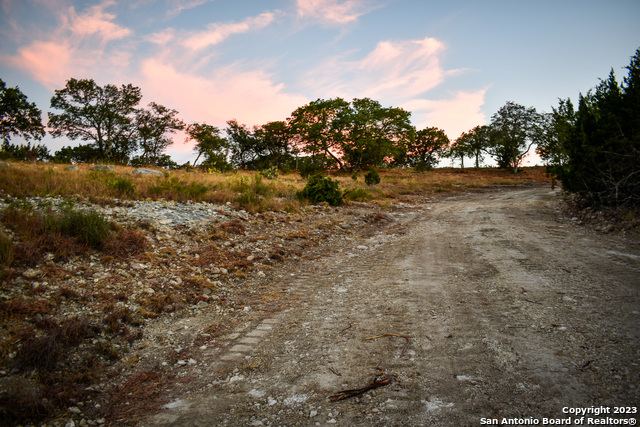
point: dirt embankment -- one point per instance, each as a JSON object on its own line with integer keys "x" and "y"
{"x": 488, "y": 305}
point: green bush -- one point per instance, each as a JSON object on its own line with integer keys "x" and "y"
{"x": 372, "y": 177}
{"x": 358, "y": 195}
{"x": 123, "y": 185}
{"x": 321, "y": 189}
{"x": 88, "y": 226}
{"x": 271, "y": 173}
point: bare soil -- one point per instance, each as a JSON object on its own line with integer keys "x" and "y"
{"x": 476, "y": 306}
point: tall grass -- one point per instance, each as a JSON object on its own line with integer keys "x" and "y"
{"x": 248, "y": 190}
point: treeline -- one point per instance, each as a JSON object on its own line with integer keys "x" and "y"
{"x": 593, "y": 151}
{"x": 324, "y": 134}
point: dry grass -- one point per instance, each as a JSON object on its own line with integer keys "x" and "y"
{"x": 246, "y": 189}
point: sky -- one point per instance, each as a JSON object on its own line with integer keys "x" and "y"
{"x": 451, "y": 63}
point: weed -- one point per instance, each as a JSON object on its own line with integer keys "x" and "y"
{"x": 127, "y": 243}
{"x": 271, "y": 173}
{"x": 123, "y": 185}
{"x": 358, "y": 195}
{"x": 88, "y": 226}
{"x": 234, "y": 226}
{"x": 6, "y": 250}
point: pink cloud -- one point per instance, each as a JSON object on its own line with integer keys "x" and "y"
{"x": 95, "y": 21}
{"x": 70, "y": 50}
{"x": 217, "y": 33}
{"x": 455, "y": 115}
{"x": 227, "y": 93}
{"x": 48, "y": 62}
{"x": 332, "y": 11}
{"x": 394, "y": 71}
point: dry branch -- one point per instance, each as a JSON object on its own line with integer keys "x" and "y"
{"x": 345, "y": 394}
{"x": 389, "y": 335}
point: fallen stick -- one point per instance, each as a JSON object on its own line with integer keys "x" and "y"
{"x": 345, "y": 394}
{"x": 390, "y": 335}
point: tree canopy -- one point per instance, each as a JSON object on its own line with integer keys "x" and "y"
{"x": 18, "y": 116}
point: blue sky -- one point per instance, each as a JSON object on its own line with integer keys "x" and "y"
{"x": 452, "y": 63}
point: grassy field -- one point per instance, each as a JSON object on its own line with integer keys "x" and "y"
{"x": 248, "y": 190}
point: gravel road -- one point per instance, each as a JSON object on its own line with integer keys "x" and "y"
{"x": 490, "y": 305}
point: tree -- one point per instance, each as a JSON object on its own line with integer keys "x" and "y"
{"x": 152, "y": 128}
{"x": 602, "y": 146}
{"x": 472, "y": 144}
{"x": 18, "y": 116}
{"x": 514, "y": 130}
{"x": 24, "y": 153}
{"x": 425, "y": 149}
{"x": 209, "y": 144}
{"x": 104, "y": 116}
{"x": 83, "y": 153}
{"x": 275, "y": 142}
{"x": 371, "y": 135}
{"x": 557, "y": 129}
{"x": 318, "y": 131}
{"x": 244, "y": 147}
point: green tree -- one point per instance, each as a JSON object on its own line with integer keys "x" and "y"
{"x": 371, "y": 135}
{"x": 318, "y": 131}
{"x": 558, "y": 127}
{"x": 104, "y": 116}
{"x": 83, "y": 153}
{"x": 514, "y": 130}
{"x": 208, "y": 143}
{"x": 153, "y": 127}
{"x": 18, "y": 116}
{"x": 24, "y": 152}
{"x": 275, "y": 141}
{"x": 244, "y": 146}
{"x": 603, "y": 144}
{"x": 426, "y": 148}
{"x": 473, "y": 143}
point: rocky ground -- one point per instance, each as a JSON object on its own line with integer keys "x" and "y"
{"x": 205, "y": 270}
{"x": 440, "y": 311}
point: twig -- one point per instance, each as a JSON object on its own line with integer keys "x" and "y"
{"x": 390, "y": 335}
{"x": 350, "y": 325}
{"x": 335, "y": 372}
{"x": 345, "y": 394}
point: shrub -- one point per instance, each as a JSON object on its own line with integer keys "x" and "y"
{"x": 271, "y": 173}
{"x": 88, "y": 226}
{"x": 123, "y": 185}
{"x": 372, "y": 177}
{"x": 358, "y": 195}
{"x": 321, "y": 189}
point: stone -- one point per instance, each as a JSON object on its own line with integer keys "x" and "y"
{"x": 32, "y": 273}
{"x": 103, "y": 168}
{"x": 143, "y": 171}
{"x": 4, "y": 165}
{"x": 72, "y": 168}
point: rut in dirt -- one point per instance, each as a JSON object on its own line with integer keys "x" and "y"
{"x": 489, "y": 305}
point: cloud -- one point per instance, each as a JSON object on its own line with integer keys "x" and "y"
{"x": 95, "y": 21}
{"x": 177, "y": 6}
{"x": 455, "y": 115}
{"x": 217, "y": 32}
{"x": 394, "y": 70}
{"x": 332, "y": 11}
{"x": 70, "y": 50}
{"x": 251, "y": 97}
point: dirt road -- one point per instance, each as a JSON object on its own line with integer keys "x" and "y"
{"x": 500, "y": 306}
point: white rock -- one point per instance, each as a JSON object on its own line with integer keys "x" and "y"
{"x": 32, "y": 273}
